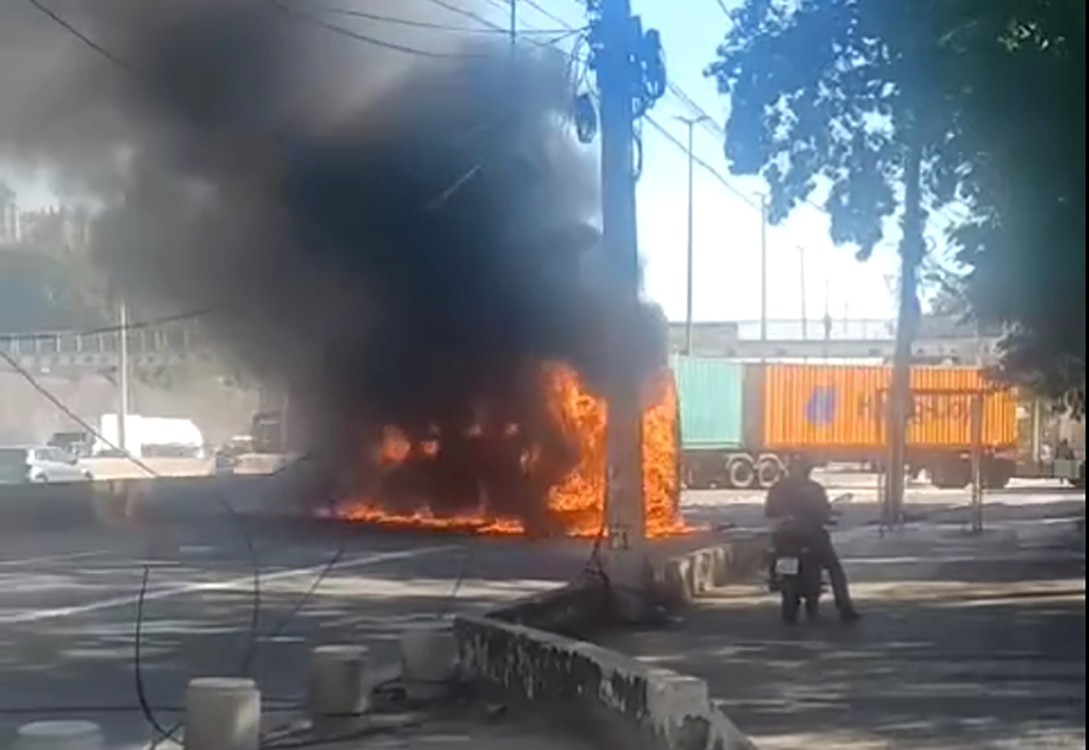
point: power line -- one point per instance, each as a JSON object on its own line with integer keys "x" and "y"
{"x": 545, "y": 12}
{"x": 365, "y": 38}
{"x": 493, "y": 27}
{"x": 427, "y": 24}
{"x": 737, "y": 192}
{"x": 468, "y": 14}
{"x": 57, "y": 19}
{"x": 701, "y": 114}
{"x": 705, "y": 165}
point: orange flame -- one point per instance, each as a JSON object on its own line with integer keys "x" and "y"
{"x": 578, "y": 501}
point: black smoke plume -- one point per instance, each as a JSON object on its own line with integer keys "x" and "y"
{"x": 402, "y": 238}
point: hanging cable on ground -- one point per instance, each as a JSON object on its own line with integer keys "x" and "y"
{"x": 231, "y": 512}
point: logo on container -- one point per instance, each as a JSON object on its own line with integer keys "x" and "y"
{"x": 820, "y": 409}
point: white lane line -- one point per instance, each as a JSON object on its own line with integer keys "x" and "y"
{"x": 53, "y": 558}
{"x": 27, "y": 616}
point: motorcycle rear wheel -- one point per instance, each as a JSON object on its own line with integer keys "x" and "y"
{"x": 790, "y": 603}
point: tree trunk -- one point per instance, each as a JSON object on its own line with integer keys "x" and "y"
{"x": 911, "y": 253}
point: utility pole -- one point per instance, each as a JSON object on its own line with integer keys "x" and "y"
{"x": 622, "y": 57}
{"x": 123, "y": 376}
{"x": 691, "y": 122}
{"x": 513, "y": 26}
{"x": 805, "y": 310}
{"x": 763, "y": 268}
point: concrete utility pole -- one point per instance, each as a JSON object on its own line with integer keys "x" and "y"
{"x": 620, "y": 61}
{"x": 691, "y": 122}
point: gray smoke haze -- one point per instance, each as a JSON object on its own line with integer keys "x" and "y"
{"x": 403, "y": 239}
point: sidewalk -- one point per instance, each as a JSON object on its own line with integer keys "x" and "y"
{"x": 464, "y": 736}
{"x": 471, "y": 733}
{"x": 967, "y": 642}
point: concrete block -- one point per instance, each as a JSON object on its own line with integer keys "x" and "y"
{"x": 338, "y": 681}
{"x": 429, "y": 660}
{"x": 60, "y": 735}
{"x": 222, "y": 713}
{"x": 685, "y": 577}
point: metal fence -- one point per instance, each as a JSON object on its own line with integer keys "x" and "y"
{"x": 161, "y": 339}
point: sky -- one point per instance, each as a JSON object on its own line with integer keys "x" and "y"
{"x": 726, "y": 228}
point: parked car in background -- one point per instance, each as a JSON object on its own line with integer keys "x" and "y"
{"x": 44, "y": 464}
{"x": 226, "y": 458}
{"x": 79, "y": 444}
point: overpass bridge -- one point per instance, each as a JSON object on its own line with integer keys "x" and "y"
{"x": 187, "y": 344}
{"x": 941, "y": 341}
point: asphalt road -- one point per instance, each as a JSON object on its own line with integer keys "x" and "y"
{"x": 69, "y": 602}
{"x": 967, "y": 642}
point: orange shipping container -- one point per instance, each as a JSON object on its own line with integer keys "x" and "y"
{"x": 842, "y": 408}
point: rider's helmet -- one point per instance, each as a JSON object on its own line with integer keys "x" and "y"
{"x": 800, "y": 465}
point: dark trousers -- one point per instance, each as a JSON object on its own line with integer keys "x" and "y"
{"x": 826, "y": 555}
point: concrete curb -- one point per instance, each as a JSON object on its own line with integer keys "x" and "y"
{"x": 118, "y": 502}
{"x": 622, "y": 703}
{"x": 619, "y": 701}
{"x": 682, "y": 578}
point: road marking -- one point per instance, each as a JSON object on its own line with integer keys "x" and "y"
{"x": 53, "y": 558}
{"x": 23, "y": 617}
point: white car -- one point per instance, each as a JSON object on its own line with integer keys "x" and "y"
{"x": 39, "y": 464}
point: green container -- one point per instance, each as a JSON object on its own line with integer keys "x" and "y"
{"x": 710, "y": 393}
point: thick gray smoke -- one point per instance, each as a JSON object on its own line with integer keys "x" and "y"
{"x": 402, "y": 238}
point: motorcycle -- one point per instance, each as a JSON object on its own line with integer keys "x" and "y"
{"x": 795, "y": 574}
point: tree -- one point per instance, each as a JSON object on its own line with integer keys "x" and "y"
{"x": 991, "y": 94}
{"x": 850, "y": 95}
{"x": 1025, "y": 146}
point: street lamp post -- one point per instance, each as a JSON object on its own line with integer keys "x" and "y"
{"x": 691, "y": 122}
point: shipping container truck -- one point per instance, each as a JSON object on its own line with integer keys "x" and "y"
{"x": 716, "y": 449}
{"x": 740, "y": 420}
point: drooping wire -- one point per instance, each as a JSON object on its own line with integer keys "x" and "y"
{"x": 88, "y": 41}
{"x": 566, "y": 32}
{"x": 349, "y": 13}
{"x": 251, "y": 646}
{"x": 365, "y": 38}
{"x": 138, "y": 672}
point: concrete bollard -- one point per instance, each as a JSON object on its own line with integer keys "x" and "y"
{"x": 429, "y": 661}
{"x": 222, "y": 713}
{"x": 60, "y": 735}
{"x": 337, "y": 675}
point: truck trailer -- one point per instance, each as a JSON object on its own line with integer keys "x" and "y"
{"x": 739, "y": 421}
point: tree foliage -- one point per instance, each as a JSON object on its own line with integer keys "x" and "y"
{"x": 1025, "y": 151}
{"x": 823, "y": 93}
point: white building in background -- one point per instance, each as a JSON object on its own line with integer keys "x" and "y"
{"x": 9, "y": 216}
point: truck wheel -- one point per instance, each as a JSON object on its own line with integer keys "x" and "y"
{"x": 951, "y": 475}
{"x": 741, "y": 473}
{"x": 769, "y": 470}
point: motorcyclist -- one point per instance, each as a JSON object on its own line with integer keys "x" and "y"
{"x": 802, "y": 500}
